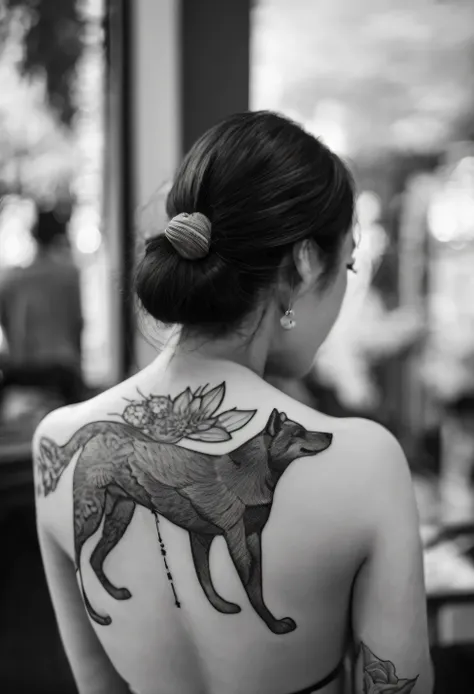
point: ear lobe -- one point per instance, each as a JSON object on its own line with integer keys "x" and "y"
{"x": 273, "y": 424}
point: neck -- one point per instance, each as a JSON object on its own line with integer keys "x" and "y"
{"x": 248, "y": 347}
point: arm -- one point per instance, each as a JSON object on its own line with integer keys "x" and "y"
{"x": 92, "y": 669}
{"x": 389, "y": 602}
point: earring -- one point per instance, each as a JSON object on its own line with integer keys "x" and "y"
{"x": 287, "y": 321}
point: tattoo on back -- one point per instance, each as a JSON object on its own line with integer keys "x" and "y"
{"x": 380, "y": 675}
{"x": 139, "y": 461}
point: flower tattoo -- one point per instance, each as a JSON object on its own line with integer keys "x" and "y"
{"x": 380, "y": 676}
{"x": 191, "y": 415}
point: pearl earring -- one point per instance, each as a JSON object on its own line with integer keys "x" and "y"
{"x": 287, "y": 321}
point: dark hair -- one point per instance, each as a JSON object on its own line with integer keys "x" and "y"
{"x": 48, "y": 228}
{"x": 265, "y": 184}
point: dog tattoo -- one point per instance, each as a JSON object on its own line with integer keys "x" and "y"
{"x": 138, "y": 461}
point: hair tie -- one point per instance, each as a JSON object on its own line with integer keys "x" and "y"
{"x": 190, "y": 235}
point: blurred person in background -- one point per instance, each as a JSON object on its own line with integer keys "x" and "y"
{"x": 41, "y": 316}
{"x": 317, "y": 550}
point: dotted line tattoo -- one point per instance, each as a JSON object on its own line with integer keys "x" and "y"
{"x": 165, "y": 561}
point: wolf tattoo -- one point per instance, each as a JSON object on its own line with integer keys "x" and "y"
{"x": 230, "y": 495}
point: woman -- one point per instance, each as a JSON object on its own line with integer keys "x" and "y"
{"x": 224, "y": 537}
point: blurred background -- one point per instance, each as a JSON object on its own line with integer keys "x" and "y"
{"x": 99, "y": 99}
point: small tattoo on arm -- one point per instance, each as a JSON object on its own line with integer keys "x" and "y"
{"x": 380, "y": 675}
{"x": 138, "y": 461}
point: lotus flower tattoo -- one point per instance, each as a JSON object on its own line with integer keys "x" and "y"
{"x": 380, "y": 676}
{"x": 191, "y": 415}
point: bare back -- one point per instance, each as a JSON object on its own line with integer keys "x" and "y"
{"x": 216, "y": 527}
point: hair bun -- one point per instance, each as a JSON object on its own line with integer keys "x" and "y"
{"x": 190, "y": 235}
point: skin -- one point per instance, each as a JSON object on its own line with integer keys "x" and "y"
{"x": 329, "y": 513}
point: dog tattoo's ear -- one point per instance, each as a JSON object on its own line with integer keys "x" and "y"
{"x": 274, "y": 423}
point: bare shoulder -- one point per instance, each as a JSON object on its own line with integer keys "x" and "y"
{"x": 373, "y": 480}
{"x": 377, "y": 456}
{"x": 57, "y": 425}
{"x": 371, "y": 460}
{"x": 363, "y": 474}
{"x": 374, "y": 445}
{"x": 54, "y": 419}
{"x": 64, "y": 421}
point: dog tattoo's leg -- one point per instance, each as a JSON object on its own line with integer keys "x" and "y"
{"x": 200, "y": 547}
{"x": 247, "y": 557}
{"x": 89, "y": 505}
{"x": 254, "y": 589}
{"x": 115, "y": 524}
{"x": 237, "y": 546}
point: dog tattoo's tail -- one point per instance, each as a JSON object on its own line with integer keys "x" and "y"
{"x": 53, "y": 459}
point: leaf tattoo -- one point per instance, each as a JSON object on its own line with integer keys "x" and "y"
{"x": 380, "y": 676}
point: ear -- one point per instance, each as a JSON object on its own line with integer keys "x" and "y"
{"x": 273, "y": 424}
{"x": 308, "y": 263}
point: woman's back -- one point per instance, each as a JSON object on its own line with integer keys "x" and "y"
{"x": 271, "y": 617}
{"x": 226, "y": 538}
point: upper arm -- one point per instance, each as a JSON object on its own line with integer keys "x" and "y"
{"x": 389, "y": 603}
{"x": 91, "y": 667}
